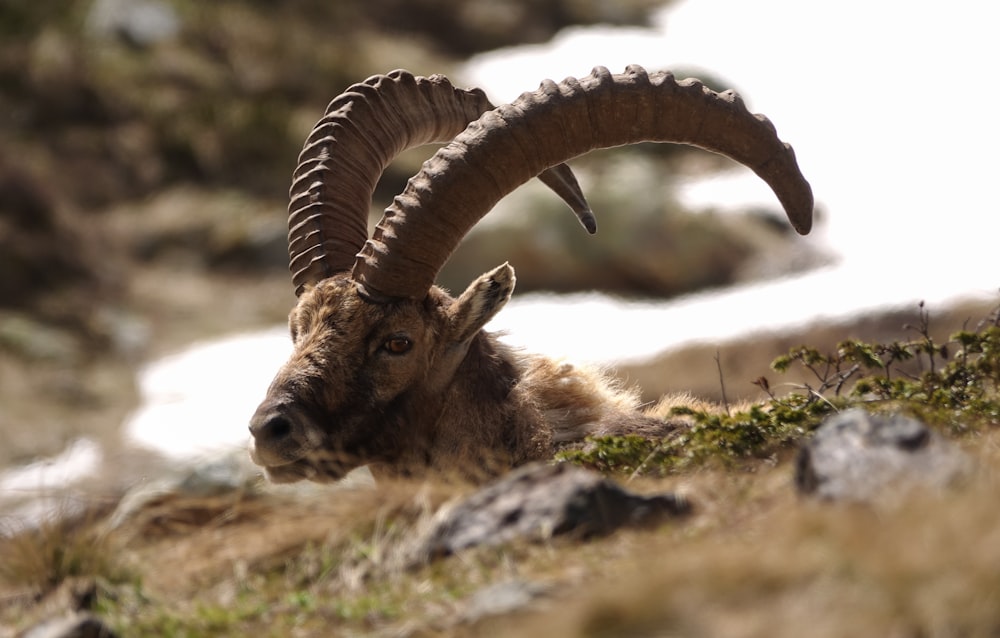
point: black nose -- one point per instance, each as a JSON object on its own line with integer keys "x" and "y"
{"x": 270, "y": 428}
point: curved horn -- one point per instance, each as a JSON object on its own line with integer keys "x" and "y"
{"x": 511, "y": 144}
{"x": 363, "y": 129}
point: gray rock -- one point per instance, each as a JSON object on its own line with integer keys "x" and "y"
{"x": 502, "y": 598}
{"x": 857, "y": 456}
{"x": 537, "y": 502}
{"x": 142, "y": 23}
{"x": 37, "y": 341}
{"x": 71, "y": 625}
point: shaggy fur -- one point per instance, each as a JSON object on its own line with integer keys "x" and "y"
{"x": 411, "y": 387}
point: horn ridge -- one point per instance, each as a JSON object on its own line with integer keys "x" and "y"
{"x": 511, "y": 144}
{"x": 361, "y": 131}
{"x": 344, "y": 155}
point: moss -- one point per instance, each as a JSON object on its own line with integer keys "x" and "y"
{"x": 955, "y": 388}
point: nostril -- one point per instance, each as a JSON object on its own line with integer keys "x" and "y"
{"x": 278, "y": 427}
{"x": 274, "y": 428}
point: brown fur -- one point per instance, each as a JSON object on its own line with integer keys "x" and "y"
{"x": 458, "y": 401}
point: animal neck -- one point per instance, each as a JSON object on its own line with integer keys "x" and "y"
{"x": 466, "y": 426}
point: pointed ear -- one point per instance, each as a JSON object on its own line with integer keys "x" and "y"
{"x": 480, "y": 302}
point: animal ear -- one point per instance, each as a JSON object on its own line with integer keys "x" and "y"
{"x": 480, "y": 302}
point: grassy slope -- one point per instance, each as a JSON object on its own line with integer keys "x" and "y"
{"x": 754, "y": 560}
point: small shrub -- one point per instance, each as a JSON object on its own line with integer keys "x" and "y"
{"x": 956, "y": 387}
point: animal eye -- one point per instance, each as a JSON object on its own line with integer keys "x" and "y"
{"x": 397, "y": 345}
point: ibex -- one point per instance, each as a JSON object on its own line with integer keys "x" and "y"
{"x": 390, "y": 371}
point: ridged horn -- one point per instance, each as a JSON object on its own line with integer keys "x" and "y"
{"x": 511, "y": 144}
{"x": 363, "y": 129}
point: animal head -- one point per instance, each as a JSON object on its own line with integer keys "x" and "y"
{"x": 376, "y": 345}
{"x": 363, "y": 374}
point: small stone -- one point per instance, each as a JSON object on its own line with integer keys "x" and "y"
{"x": 502, "y": 598}
{"x": 857, "y": 456}
{"x": 71, "y": 625}
{"x": 142, "y": 23}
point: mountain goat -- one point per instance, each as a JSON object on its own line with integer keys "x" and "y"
{"x": 390, "y": 371}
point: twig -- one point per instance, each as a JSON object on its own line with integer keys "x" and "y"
{"x": 722, "y": 381}
{"x": 844, "y": 376}
{"x": 645, "y": 461}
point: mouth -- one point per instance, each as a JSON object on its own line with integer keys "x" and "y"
{"x": 290, "y": 447}
{"x": 290, "y": 472}
{"x": 275, "y": 456}
{"x": 306, "y": 468}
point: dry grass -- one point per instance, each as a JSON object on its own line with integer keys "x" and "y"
{"x": 69, "y": 545}
{"x": 928, "y": 567}
{"x": 754, "y": 560}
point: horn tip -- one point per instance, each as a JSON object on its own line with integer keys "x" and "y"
{"x": 800, "y": 214}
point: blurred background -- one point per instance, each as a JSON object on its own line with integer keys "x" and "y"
{"x": 146, "y": 148}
